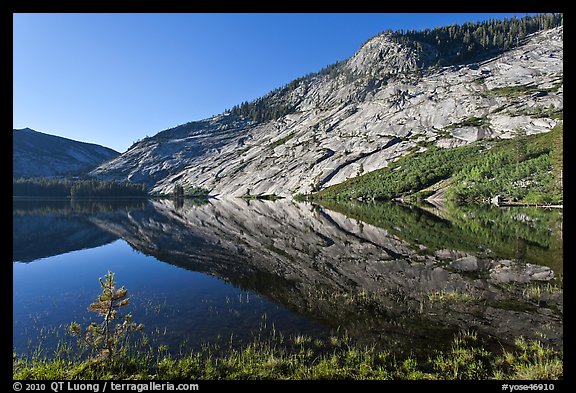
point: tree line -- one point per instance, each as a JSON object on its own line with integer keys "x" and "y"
{"x": 190, "y": 192}
{"x": 456, "y": 44}
{"x": 86, "y": 188}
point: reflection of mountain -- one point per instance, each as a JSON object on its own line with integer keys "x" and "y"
{"x": 47, "y": 228}
{"x": 339, "y": 270}
{"x": 36, "y": 237}
{"x": 375, "y": 275}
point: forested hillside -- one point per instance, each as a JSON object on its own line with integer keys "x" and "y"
{"x": 63, "y": 188}
{"x": 457, "y": 44}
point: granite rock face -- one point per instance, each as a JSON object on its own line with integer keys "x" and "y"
{"x": 369, "y": 110}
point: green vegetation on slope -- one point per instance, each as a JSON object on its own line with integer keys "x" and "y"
{"x": 409, "y": 174}
{"x": 281, "y": 141}
{"x": 521, "y": 90}
{"x": 524, "y": 169}
{"x": 470, "y": 122}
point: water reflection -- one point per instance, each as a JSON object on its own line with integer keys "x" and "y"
{"x": 525, "y": 234}
{"x": 393, "y": 276}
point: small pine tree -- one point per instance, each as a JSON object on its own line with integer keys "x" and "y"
{"x": 107, "y": 339}
{"x": 521, "y": 146}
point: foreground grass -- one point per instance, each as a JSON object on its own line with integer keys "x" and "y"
{"x": 304, "y": 358}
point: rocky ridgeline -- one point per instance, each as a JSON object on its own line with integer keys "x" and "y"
{"x": 373, "y": 108}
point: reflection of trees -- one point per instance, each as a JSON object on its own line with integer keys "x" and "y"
{"x": 521, "y": 249}
{"x": 178, "y": 202}
{"x": 514, "y": 233}
{"x": 67, "y": 207}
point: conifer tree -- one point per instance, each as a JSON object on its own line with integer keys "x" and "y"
{"x": 109, "y": 338}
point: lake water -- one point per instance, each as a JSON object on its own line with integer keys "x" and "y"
{"x": 401, "y": 278}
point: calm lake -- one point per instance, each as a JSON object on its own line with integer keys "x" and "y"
{"x": 399, "y": 277}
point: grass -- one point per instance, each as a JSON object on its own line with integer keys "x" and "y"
{"x": 305, "y": 359}
{"x": 449, "y": 297}
{"x": 536, "y": 292}
{"x": 512, "y": 91}
{"x": 521, "y": 90}
{"x": 469, "y": 122}
{"x": 479, "y": 81}
{"x": 539, "y": 112}
{"x": 405, "y": 176}
{"x": 525, "y": 169}
{"x": 280, "y": 141}
{"x": 468, "y": 360}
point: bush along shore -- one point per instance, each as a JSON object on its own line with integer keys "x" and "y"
{"x": 118, "y": 348}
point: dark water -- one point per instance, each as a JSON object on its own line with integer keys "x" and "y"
{"x": 401, "y": 278}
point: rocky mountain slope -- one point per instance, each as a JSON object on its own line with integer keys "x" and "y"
{"x": 382, "y": 103}
{"x": 36, "y": 154}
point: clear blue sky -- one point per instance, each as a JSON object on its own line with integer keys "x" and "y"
{"x": 112, "y": 79}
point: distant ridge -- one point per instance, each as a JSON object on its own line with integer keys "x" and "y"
{"x": 35, "y": 154}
